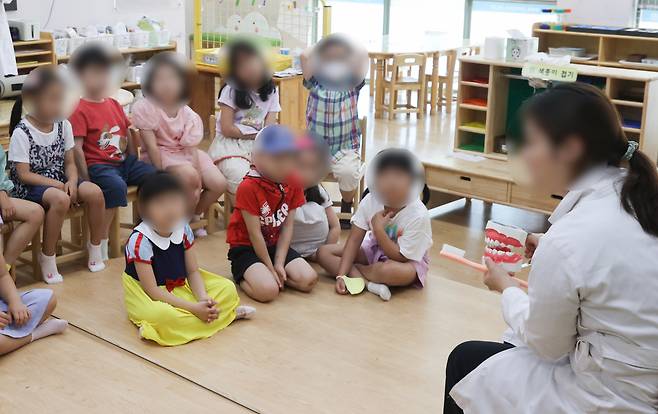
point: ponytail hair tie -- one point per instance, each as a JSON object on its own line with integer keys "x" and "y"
{"x": 632, "y": 147}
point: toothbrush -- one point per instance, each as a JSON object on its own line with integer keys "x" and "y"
{"x": 455, "y": 254}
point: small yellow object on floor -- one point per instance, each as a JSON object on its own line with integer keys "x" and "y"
{"x": 170, "y": 326}
{"x": 354, "y": 285}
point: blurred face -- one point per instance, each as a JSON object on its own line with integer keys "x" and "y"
{"x": 310, "y": 168}
{"x": 393, "y": 186}
{"x": 167, "y": 85}
{"x": 47, "y": 107}
{"x": 165, "y": 212}
{"x": 276, "y": 167}
{"x": 335, "y": 53}
{"x": 249, "y": 70}
{"x": 96, "y": 80}
{"x": 549, "y": 167}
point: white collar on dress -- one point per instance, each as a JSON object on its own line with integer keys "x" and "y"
{"x": 592, "y": 181}
{"x": 162, "y": 242}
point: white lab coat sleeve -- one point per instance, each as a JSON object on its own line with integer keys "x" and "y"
{"x": 7, "y": 56}
{"x": 545, "y": 318}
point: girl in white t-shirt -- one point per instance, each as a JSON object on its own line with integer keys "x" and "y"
{"x": 391, "y": 232}
{"x": 43, "y": 169}
{"x": 316, "y": 222}
{"x": 248, "y": 102}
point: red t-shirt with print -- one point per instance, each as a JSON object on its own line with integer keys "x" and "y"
{"x": 104, "y": 127}
{"x": 269, "y": 201}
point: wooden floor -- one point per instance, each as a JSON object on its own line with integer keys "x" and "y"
{"x": 304, "y": 353}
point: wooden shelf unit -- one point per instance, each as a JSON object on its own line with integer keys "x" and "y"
{"x": 634, "y": 93}
{"x": 610, "y": 49}
{"x": 34, "y": 53}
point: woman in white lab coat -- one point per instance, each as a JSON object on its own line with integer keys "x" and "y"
{"x": 585, "y": 336}
{"x": 7, "y": 56}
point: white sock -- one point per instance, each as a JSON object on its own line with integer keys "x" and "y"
{"x": 49, "y": 270}
{"x": 49, "y": 327}
{"x": 104, "y": 249}
{"x": 95, "y": 258}
{"x": 380, "y": 290}
{"x": 244, "y": 312}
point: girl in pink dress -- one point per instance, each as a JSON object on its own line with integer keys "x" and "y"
{"x": 171, "y": 130}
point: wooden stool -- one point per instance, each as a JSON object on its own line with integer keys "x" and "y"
{"x": 67, "y": 251}
{"x": 397, "y": 81}
{"x": 363, "y": 124}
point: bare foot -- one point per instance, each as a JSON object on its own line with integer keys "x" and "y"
{"x": 340, "y": 286}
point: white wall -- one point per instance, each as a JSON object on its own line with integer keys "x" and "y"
{"x": 600, "y": 12}
{"x": 84, "y": 12}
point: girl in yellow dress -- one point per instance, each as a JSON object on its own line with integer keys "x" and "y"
{"x": 167, "y": 295}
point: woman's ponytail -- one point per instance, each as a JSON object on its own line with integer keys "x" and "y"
{"x": 639, "y": 194}
{"x": 16, "y": 114}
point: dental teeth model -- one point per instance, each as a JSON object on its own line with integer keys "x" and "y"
{"x": 505, "y": 245}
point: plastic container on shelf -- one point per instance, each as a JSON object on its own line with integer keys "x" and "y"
{"x": 75, "y": 43}
{"x": 61, "y": 46}
{"x": 139, "y": 39}
{"x": 122, "y": 41}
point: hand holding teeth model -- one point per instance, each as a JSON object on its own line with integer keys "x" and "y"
{"x": 505, "y": 245}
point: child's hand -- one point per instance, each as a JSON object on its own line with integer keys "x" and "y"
{"x": 71, "y": 188}
{"x": 280, "y": 275}
{"x": 5, "y": 320}
{"x": 6, "y": 205}
{"x": 205, "y": 310}
{"x": 341, "y": 289}
{"x": 531, "y": 244}
{"x": 381, "y": 219}
{"x": 19, "y": 314}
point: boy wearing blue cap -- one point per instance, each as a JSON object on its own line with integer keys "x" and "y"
{"x": 260, "y": 229}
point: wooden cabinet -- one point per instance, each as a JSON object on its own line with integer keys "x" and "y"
{"x": 533, "y": 199}
{"x": 468, "y": 185}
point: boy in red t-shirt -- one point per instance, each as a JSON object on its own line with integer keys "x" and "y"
{"x": 260, "y": 228}
{"x": 100, "y": 128}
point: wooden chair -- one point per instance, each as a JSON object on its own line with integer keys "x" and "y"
{"x": 445, "y": 84}
{"x": 399, "y": 80}
{"x": 363, "y": 124}
{"x": 225, "y": 201}
{"x": 67, "y": 251}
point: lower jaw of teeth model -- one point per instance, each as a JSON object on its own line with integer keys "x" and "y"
{"x": 505, "y": 245}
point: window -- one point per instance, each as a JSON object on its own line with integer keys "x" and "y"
{"x": 496, "y": 17}
{"x": 411, "y": 19}
{"x": 647, "y": 14}
{"x": 360, "y": 19}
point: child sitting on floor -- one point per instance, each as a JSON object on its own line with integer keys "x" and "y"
{"x": 100, "y": 128}
{"x": 43, "y": 167}
{"x": 261, "y": 226}
{"x": 170, "y": 131}
{"x": 395, "y": 225}
{"x": 316, "y": 222}
{"x": 249, "y": 102}
{"x": 334, "y": 73}
{"x": 167, "y": 295}
{"x": 24, "y": 316}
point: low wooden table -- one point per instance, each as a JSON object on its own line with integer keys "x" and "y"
{"x": 432, "y": 46}
{"x": 292, "y": 97}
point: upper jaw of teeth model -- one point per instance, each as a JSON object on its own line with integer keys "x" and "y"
{"x": 505, "y": 245}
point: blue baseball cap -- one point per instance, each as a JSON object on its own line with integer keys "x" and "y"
{"x": 275, "y": 139}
